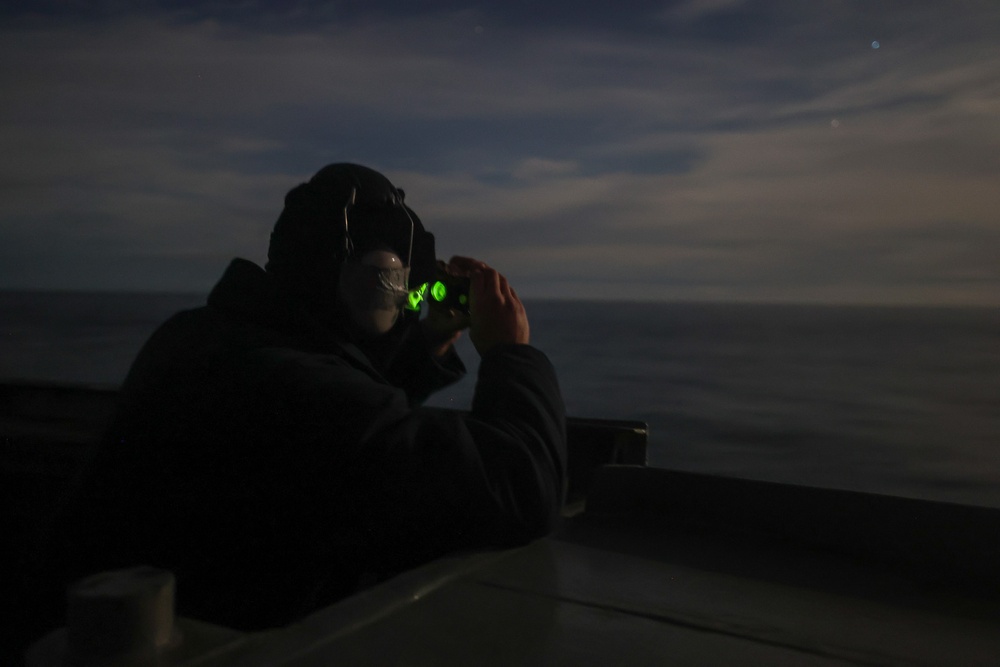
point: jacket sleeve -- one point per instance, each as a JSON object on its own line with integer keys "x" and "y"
{"x": 419, "y": 373}
{"x": 429, "y": 480}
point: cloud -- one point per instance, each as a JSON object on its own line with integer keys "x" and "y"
{"x": 785, "y": 159}
{"x": 693, "y": 10}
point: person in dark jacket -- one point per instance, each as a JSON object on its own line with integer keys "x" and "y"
{"x": 270, "y": 447}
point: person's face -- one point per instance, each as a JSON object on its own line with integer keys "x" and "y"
{"x": 373, "y": 290}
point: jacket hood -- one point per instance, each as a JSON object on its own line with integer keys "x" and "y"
{"x": 344, "y": 210}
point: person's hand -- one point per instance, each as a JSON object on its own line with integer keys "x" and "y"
{"x": 497, "y": 313}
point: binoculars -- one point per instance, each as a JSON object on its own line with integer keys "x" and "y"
{"x": 448, "y": 290}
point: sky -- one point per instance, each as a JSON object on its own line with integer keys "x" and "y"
{"x": 830, "y": 151}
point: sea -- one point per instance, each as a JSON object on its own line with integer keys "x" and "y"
{"x": 894, "y": 400}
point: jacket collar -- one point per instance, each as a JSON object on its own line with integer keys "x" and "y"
{"x": 248, "y": 293}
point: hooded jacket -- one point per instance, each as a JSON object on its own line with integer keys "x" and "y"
{"x": 273, "y": 465}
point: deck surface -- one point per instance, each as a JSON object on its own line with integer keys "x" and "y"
{"x": 594, "y": 596}
{"x": 663, "y": 568}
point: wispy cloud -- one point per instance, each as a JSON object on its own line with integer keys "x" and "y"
{"x": 708, "y": 150}
{"x": 693, "y": 10}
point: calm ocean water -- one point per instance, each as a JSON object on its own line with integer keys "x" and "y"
{"x": 891, "y": 400}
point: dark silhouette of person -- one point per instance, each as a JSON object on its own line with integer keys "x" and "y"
{"x": 270, "y": 448}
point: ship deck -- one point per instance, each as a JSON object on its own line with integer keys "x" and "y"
{"x": 660, "y": 567}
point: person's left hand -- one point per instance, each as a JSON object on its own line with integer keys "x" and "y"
{"x": 443, "y": 325}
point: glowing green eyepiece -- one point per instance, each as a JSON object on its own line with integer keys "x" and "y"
{"x": 416, "y": 297}
{"x": 439, "y": 291}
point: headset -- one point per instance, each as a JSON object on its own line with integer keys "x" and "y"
{"x": 448, "y": 290}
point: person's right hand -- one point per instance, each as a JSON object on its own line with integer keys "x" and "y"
{"x": 497, "y": 314}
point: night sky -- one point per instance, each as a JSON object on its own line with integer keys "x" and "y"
{"x": 721, "y": 150}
